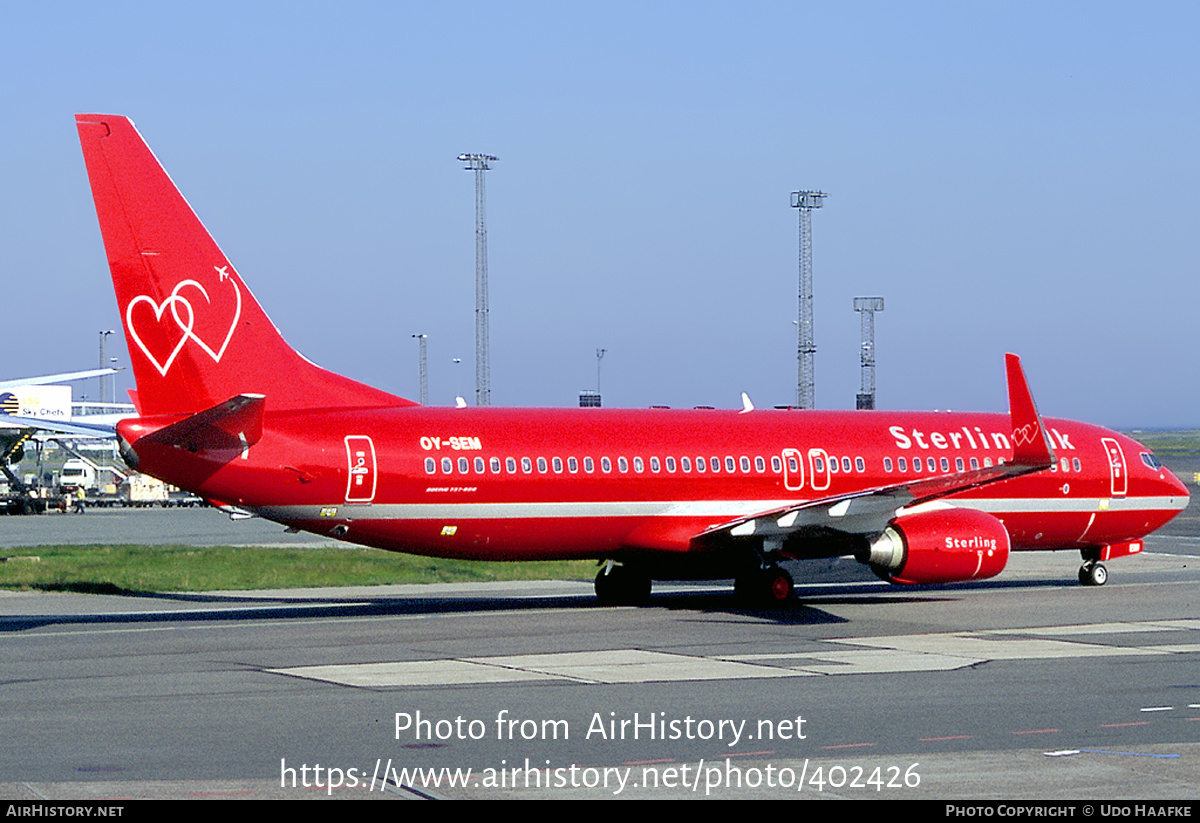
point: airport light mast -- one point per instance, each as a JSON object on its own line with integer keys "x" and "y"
{"x": 806, "y": 348}
{"x": 104, "y": 365}
{"x": 866, "y": 307}
{"x": 479, "y": 163}
{"x": 423, "y": 367}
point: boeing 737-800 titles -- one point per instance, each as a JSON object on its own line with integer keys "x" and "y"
{"x": 228, "y": 410}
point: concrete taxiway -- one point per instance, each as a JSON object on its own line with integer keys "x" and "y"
{"x": 1025, "y": 686}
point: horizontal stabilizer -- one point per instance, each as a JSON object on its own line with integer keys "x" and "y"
{"x": 235, "y": 424}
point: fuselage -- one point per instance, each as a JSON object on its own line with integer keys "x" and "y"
{"x": 553, "y": 484}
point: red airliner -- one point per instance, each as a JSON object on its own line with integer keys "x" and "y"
{"x": 230, "y": 411}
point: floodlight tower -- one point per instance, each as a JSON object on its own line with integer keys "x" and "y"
{"x": 478, "y": 163}
{"x": 423, "y": 367}
{"x": 866, "y": 307}
{"x": 104, "y": 365}
{"x": 806, "y": 348}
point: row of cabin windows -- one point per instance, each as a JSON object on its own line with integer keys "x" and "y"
{"x": 713, "y": 464}
{"x": 933, "y": 464}
{"x": 572, "y": 465}
{"x": 701, "y": 465}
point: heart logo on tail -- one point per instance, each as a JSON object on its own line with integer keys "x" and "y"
{"x": 185, "y": 327}
{"x": 216, "y": 354}
{"x": 184, "y": 315}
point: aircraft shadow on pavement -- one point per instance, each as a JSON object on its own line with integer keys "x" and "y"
{"x": 805, "y": 609}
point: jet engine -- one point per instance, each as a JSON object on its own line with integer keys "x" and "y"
{"x": 940, "y": 546}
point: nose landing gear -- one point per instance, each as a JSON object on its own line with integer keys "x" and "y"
{"x": 1093, "y": 573}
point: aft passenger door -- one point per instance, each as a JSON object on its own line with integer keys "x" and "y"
{"x": 360, "y": 459}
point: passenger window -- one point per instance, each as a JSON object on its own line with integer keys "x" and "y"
{"x": 701, "y": 467}
{"x": 572, "y": 465}
{"x": 945, "y": 465}
{"x": 447, "y": 465}
{"x": 510, "y": 464}
{"x": 588, "y": 465}
{"x": 958, "y": 464}
{"x": 605, "y": 465}
{"x": 859, "y": 465}
{"x": 430, "y": 465}
{"x": 776, "y": 465}
{"x": 479, "y": 465}
{"x": 902, "y": 463}
{"x": 526, "y": 465}
{"x": 542, "y": 465}
{"x": 760, "y": 465}
{"x": 887, "y": 464}
{"x": 622, "y": 464}
{"x": 638, "y": 466}
{"x": 686, "y": 464}
{"x": 730, "y": 465}
{"x": 463, "y": 465}
{"x": 557, "y": 464}
{"x": 846, "y": 464}
{"x": 495, "y": 461}
{"x": 670, "y": 461}
{"x": 654, "y": 466}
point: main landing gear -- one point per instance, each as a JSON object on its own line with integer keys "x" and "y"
{"x": 769, "y": 586}
{"x": 623, "y": 585}
{"x": 1093, "y": 573}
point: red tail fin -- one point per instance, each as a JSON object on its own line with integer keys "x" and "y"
{"x": 196, "y": 335}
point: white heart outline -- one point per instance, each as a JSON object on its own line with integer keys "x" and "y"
{"x": 237, "y": 314}
{"x": 1025, "y": 434}
{"x": 158, "y": 313}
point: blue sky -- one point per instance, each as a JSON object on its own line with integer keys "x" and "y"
{"x": 1008, "y": 176}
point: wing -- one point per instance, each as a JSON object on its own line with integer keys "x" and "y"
{"x": 868, "y": 512}
{"x": 59, "y": 427}
{"x": 45, "y": 379}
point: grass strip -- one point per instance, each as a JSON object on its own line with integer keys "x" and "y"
{"x": 125, "y": 569}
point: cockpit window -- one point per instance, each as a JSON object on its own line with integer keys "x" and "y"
{"x": 1151, "y": 461}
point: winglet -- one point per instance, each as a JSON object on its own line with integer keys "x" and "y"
{"x": 1031, "y": 446}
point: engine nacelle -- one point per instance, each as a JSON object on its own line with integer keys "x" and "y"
{"x": 940, "y": 546}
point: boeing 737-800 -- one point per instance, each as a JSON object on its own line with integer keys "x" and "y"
{"x": 228, "y": 410}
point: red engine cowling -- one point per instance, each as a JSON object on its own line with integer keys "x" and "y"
{"x": 941, "y": 546}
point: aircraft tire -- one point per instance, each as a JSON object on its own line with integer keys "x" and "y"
{"x": 1093, "y": 574}
{"x": 771, "y": 587}
{"x": 622, "y": 586}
